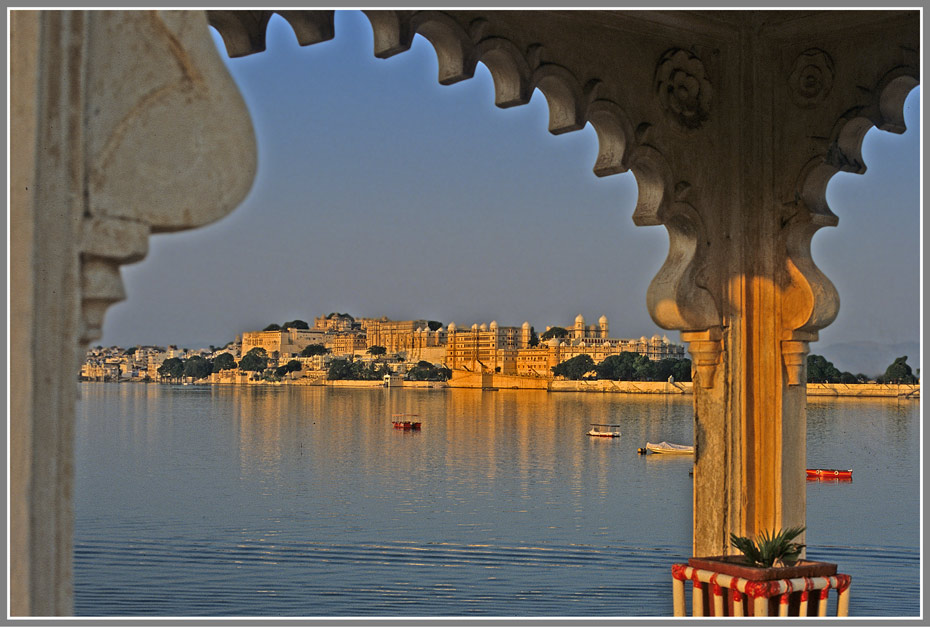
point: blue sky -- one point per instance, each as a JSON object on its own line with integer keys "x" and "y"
{"x": 381, "y": 192}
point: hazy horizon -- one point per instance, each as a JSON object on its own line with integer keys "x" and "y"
{"x": 381, "y": 192}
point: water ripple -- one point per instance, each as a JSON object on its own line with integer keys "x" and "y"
{"x": 199, "y": 577}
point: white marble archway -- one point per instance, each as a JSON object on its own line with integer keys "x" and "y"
{"x": 126, "y": 123}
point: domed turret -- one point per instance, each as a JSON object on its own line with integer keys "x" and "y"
{"x": 494, "y": 325}
{"x": 483, "y": 327}
{"x": 554, "y": 342}
{"x": 451, "y": 327}
{"x": 579, "y": 327}
{"x": 526, "y": 325}
{"x": 602, "y": 320}
{"x": 474, "y": 326}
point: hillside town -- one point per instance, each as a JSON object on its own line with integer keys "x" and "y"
{"x": 339, "y": 346}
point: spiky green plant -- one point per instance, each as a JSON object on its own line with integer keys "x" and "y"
{"x": 770, "y": 550}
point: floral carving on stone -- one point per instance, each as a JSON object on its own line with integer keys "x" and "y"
{"x": 811, "y": 78}
{"x": 682, "y": 88}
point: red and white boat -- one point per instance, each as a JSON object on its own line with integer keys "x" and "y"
{"x": 828, "y": 473}
{"x": 403, "y": 421}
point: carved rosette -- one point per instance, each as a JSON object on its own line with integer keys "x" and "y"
{"x": 682, "y": 88}
{"x": 811, "y": 78}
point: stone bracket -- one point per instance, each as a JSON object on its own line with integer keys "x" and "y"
{"x": 705, "y": 348}
{"x": 794, "y": 355}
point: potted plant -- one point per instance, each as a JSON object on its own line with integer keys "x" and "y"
{"x": 766, "y": 561}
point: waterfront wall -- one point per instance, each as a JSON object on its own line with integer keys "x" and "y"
{"x": 473, "y": 380}
{"x": 467, "y": 379}
{"x": 623, "y": 387}
{"x": 863, "y": 390}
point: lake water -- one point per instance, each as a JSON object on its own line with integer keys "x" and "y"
{"x": 304, "y": 501}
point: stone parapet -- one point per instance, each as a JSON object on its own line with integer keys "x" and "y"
{"x": 863, "y": 390}
{"x": 624, "y": 387}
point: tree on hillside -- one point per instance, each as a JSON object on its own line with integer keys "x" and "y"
{"x": 848, "y": 377}
{"x": 665, "y": 368}
{"x": 223, "y": 361}
{"x": 376, "y": 350}
{"x": 644, "y": 369}
{"x": 433, "y": 324}
{"x": 255, "y": 360}
{"x": 682, "y": 370}
{"x": 617, "y": 367}
{"x": 339, "y": 369}
{"x": 558, "y": 332}
{"x": 574, "y": 368}
{"x": 534, "y": 339}
{"x": 295, "y": 324}
{"x": 425, "y": 371}
{"x": 272, "y": 327}
{"x": 311, "y": 350}
{"x": 197, "y": 367}
{"x": 819, "y": 370}
{"x": 335, "y": 314}
{"x": 369, "y": 372}
{"x": 291, "y": 366}
{"x": 898, "y": 372}
{"x": 171, "y": 368}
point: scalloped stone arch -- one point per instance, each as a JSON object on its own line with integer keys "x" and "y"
{"x": 844, "y": 154}
{"x": 815, "y": 300}
{"x": 509, "y": 71}
{"x": 515, "y": 74}
{"x": 454, "y": 50}
{"x": 710, "y": 183}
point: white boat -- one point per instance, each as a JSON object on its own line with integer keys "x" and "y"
{"x": 674, "y": 449}
{"x": 611, "y": 431}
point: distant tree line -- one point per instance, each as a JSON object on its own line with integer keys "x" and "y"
{"x": 899, "y": 372}
{"x": 198, "y": 367}
{"x": 819, "y": 370}
{"x": 425, "y": 371}
{"x": 626, "y": 366}
{"x": 293, "y": 324}
{"x": 342, "y": 369}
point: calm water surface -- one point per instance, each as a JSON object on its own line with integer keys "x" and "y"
{"x": 265, "y": 501}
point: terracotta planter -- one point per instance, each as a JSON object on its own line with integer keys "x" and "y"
{"x": 718, "y": 595}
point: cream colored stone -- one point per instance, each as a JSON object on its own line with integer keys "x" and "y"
{"x": 733, "y": 123}
{"x": 124, "y": 123}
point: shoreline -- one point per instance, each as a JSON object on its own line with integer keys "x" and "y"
{"x": 498, "y": 383}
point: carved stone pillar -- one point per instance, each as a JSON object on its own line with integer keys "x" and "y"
{"x": 124, "y": 123}
{"x": 779, "y": 110}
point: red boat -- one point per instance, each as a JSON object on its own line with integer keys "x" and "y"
{"x": 400, "y": 421}
{"x": 828, "y": 473}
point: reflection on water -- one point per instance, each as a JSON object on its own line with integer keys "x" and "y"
{"x": 305, "y": 501}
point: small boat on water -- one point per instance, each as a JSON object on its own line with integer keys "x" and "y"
{"x": 828, "y": 473}
{"x": 611, "y": 431}
{"x": 405, "y": 422}
{"x": 667, "y": 448}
